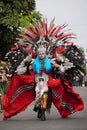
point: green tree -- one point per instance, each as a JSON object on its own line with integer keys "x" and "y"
{"x": 14, "y": 13}
{"x": 29, "y": 19}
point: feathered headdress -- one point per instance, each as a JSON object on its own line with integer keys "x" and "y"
{"x": 54, "y": 39}
{"x": 49, "y": 37}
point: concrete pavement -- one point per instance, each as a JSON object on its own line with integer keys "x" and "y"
{"x": 27, "y": 120}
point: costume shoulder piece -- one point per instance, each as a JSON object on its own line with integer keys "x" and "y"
{"x": 55, "y": 41}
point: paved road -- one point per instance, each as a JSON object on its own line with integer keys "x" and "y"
{"x": 27, "y": 120}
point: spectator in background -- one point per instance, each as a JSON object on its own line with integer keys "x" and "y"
{"x": 3, "y": 84}
{"x": 85, "y": 80}
{"x": 3, "y": 81}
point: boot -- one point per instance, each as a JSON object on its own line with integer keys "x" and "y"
{"x": 43, "y": 117}
{"x": 39, "y": 114}
{"x": 44, "y": 101}
{"x": 35, "y": 109}
{"x": 37, "y": 106}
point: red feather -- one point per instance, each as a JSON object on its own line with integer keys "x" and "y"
{"x": 38, "y": 29}
{"x": 44, "y": 27}
{"x": 15, "y": 48}
{"x": 56, "y": 31}
{"x": 65, "y": 35}
{"x": 59, "y": 50}
{"x": 24, "y": 35}
{"x": 50, "y": 29}
{"x": 28, "y": 29}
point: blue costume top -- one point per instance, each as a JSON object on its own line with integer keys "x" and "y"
{"x": 37, "y": 65}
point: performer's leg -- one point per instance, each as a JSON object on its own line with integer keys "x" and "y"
{"x": 39, "y": 114}
{"x": 37, "y": 102}
{"x": 44, "y": 101}
{"x": 44, "y": 105}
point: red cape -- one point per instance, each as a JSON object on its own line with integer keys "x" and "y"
{"x": 20, "y": 93}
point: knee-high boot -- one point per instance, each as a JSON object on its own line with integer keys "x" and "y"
{"x": 44, "y": 106}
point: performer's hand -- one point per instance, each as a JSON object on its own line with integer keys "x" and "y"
{"x": 30, "y": 67}
{"x": 56, "y": 65}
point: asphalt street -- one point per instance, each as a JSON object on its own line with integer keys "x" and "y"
{"x": 27, "y": 120}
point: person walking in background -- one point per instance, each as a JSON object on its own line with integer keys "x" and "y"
{"x": 4, "y": 80}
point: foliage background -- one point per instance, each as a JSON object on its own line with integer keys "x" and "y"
{"x": 15, "y": 13}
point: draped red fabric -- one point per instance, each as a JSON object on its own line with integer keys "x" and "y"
{"x": 19, "y": 104}
{"x": 17, "y": 98}
{"x": 65, "y": 99}
{"x": 22, "y": 97}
